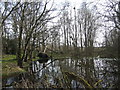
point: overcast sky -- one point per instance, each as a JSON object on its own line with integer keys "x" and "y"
{"x": 77, "y": 3}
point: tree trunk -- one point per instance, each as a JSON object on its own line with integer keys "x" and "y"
{"x": 20, "y": 61}
{"x": 19, "y": 49}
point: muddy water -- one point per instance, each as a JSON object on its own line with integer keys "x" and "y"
{"x": 97, "y": 72}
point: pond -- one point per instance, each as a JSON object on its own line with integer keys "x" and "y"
{"x": 69, "y": 73}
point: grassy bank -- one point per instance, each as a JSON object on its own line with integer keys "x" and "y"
{"x": 10, "y": 68}
{"x": 59, "y": 55}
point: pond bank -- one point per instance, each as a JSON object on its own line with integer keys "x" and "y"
{"x": 10, "y": 68}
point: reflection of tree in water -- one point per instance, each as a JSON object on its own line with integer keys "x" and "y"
{"x": 71, "y": 73}
{"x": 82, "y": 68}
{"x": 106, "y": 70}
{"x": 101, "y": 72}
{"x": 115, "y": 64}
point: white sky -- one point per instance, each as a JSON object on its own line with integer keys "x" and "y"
{"x": 77, "y": 3}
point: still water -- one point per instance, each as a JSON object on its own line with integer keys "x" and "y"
{"x": 69, "y": 73}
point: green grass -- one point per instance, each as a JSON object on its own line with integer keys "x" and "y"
{"x": 35, "y": 58}
{"x": 10, "y": 68}
{"x": 8, "y": 57}
{"x": 54, "y": 55}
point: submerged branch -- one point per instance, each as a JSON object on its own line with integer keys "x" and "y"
{"x": 79, "y": 79}
{"x": 97, "y": 83}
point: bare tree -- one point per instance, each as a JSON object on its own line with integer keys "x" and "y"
{"x": 88, "y": 26}
{"x": 27, "y": 21}
{"x": 112, "y": 34}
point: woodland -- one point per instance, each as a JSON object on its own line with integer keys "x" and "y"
{"x": 33, "y": 31}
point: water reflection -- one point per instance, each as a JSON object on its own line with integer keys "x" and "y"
{"x": 69, "y": 73}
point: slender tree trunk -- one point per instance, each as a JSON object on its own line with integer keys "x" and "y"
{"x": 20, "y": 62}
{"x": 19, "y": 49}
